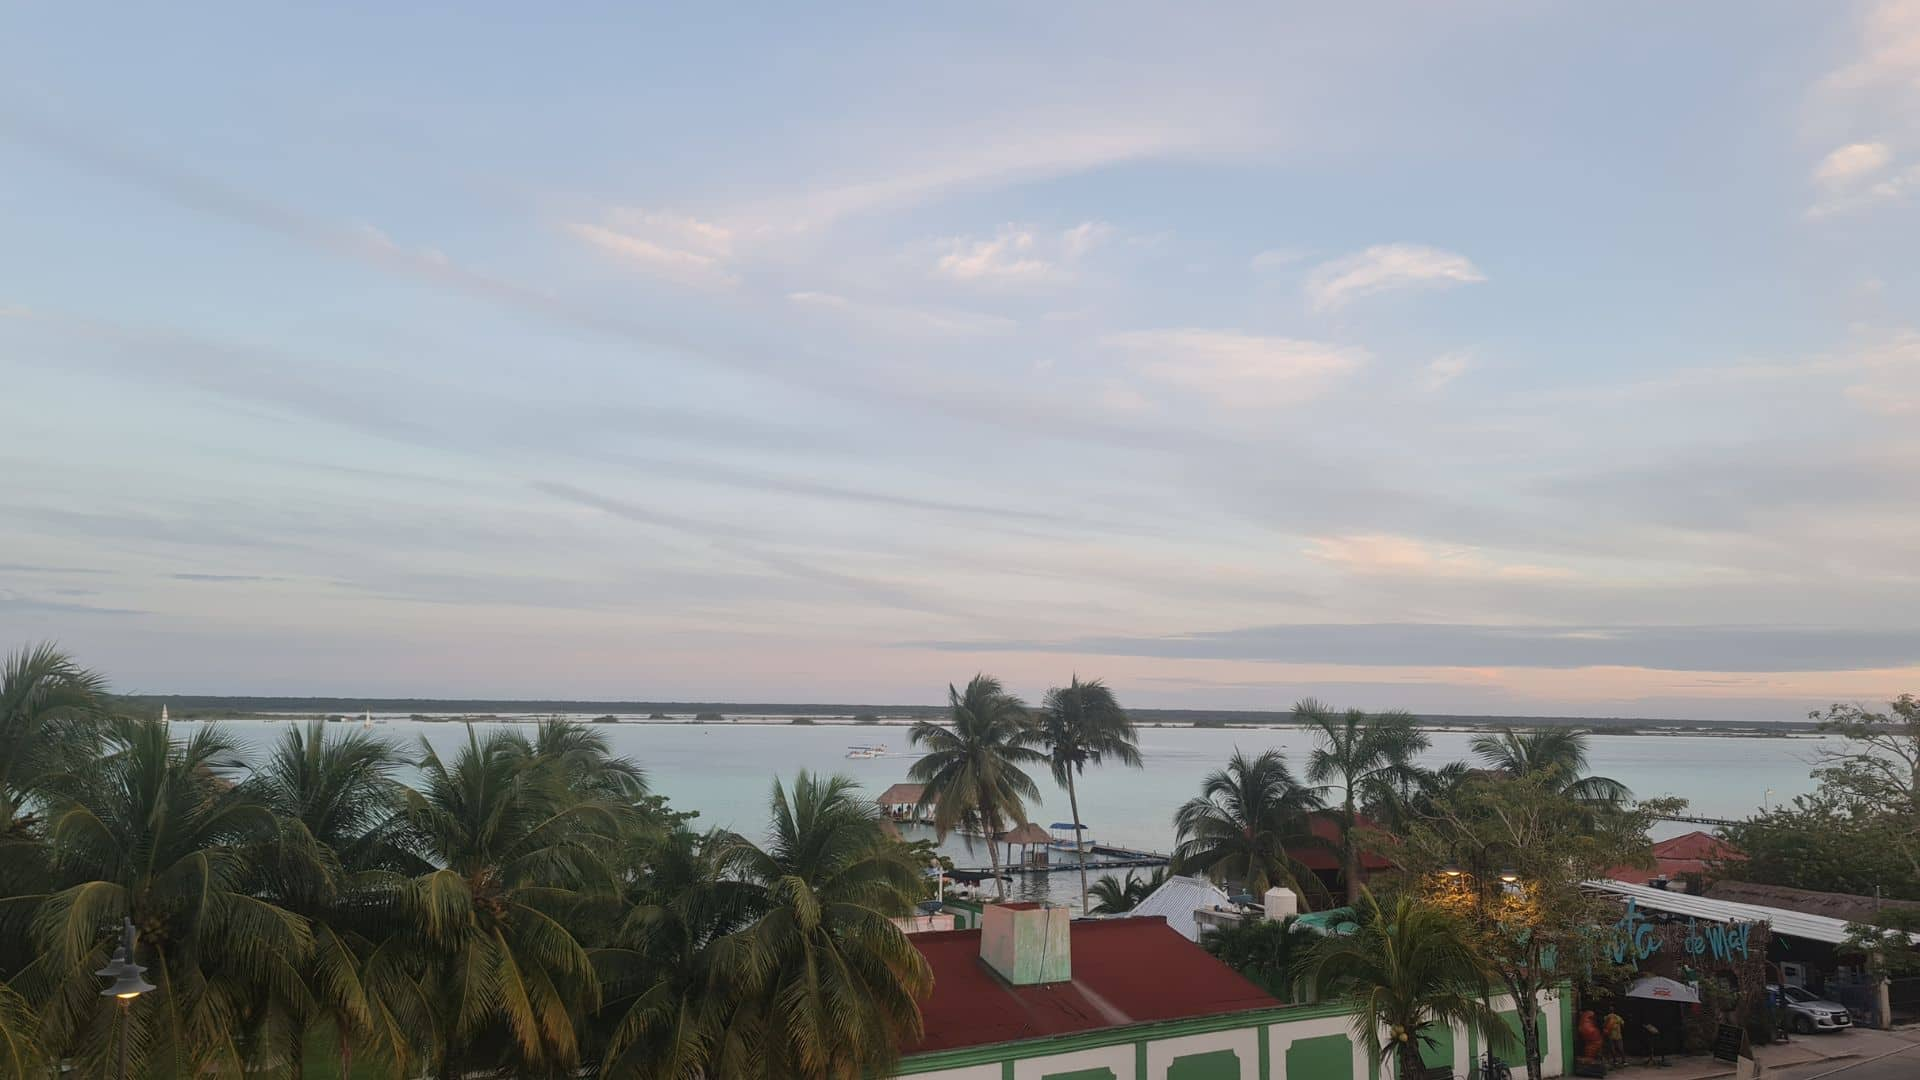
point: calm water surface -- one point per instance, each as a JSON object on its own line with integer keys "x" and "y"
{"x": 725, "y": 771}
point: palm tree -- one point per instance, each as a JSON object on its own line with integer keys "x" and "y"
{"x": 1559, "y": 753}
{"x": 833, "y": 981}
{"x": 1115, "y": 896}
{"x": 336, "y": 862}
{"x": 1403, "y": 971}
{"x": 670, "y": 999}
{"x": 583, "y": 754}
{"x": 971, "y": 772}
{"x": 1417, "y": 797}
{"x": 51, "y": 715}
{"x": 1246, "y": 817}
{"x": 1364, "y": 753}
{"x": 1265, "y": 951}
{"x": 158, "y": 832}
{"x": 517, "y": 851}
{"x": 1082, "y": 724}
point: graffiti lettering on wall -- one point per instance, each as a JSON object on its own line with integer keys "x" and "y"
{"x": 1634, "y": 939}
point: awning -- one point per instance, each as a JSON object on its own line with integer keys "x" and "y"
{"x": 1655, "y": 988}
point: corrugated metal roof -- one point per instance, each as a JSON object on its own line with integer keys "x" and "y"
{"x": 1791, "y": 923}
{"x": 1178, "y": 898}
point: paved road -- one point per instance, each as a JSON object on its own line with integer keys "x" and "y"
{"x": 1901, "y": 1064}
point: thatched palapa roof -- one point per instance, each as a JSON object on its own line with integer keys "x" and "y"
{"x": 902, "y": 795}
{"x": 1029, "y": 833}
{"x": 1846, "y": 906}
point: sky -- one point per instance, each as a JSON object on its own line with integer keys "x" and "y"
{"x": 1499, "y": 356}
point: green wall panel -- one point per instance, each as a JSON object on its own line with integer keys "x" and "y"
{"x": 1438, "y": 1055}
{"x": 1329, "y": 1056}
{"x": 1211, "y": 1065}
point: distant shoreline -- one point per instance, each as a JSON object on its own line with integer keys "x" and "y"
{"x": 1668, "y": 729}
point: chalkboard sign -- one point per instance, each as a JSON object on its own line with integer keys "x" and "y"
{"x": 1726, "y": 1044}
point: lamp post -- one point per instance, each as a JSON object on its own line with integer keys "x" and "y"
{"x": 128, "y": 983}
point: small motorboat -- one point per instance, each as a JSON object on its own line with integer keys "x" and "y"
{"x": 865, "y": 753}
{"x": 1070, "y": 837}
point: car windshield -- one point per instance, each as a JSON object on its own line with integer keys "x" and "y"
{"x": 1794, "y": 993}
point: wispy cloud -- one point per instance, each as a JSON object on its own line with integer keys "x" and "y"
{"x": 1385, "y": 268}
{"x": 897, "y": 319}
{"x": 1442, "y": 370}
{"x": 1404, "y": 556}
{"x": 1016, "y": 255}
{"x": 671, "y": 246}
{"x": 1850, "y": 163}
{"x": 1239, "y": 370}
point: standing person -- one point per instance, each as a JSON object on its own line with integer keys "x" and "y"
{"x": 1616, "y": 1029}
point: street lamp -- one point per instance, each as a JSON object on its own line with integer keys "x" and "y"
{"x": 127, "y": 983}
{"x": 1452, "y": 870}
{"x": 1510, "y": 876}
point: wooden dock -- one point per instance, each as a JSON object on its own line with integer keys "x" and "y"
{"x": 1101, "y": 857}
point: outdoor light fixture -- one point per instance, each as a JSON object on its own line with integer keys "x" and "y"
{"x": 127, "y": 984}
{"x": 1452, "y": 869}
{"x": 1510, "y": 876}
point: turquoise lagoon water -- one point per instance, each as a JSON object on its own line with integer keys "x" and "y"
{"x": 725, "y": 771}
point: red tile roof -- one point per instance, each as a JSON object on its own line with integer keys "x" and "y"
{"x": 1125, "y": 971}
{"x": 1326, "y": 827}
{"x": 1688, "y": 853}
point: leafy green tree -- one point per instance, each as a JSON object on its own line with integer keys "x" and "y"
{"x": 1083, "y": 724}
{"x": 972, "y": 769}
{"x": 1881, "y": 761}
{"x": 1244, "y": 820}
{"x": 1509, "y": 855}
{"x": 1405, "y": 970}
{"x": 1364, "y": 753}
{"x": 517, "y": 852}
{"x": 833, "y": 983}
{"x": 1115, "y": 896}
{"x": 1557, "y": 752}
{"x": 1831, "y": 842}
{"x": 1266, "y": 951}
{"x": 159, "y": 832}
{"x": 51, "y": 715}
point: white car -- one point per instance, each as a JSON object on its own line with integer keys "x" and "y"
{"x": 1808, "y": 1012}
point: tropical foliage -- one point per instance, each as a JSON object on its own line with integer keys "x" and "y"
{"x": 1117, "y": 896}
{"x": 1083, "y": 724}
{"x": 1246, "y": 824}
{"x": 519, "y": 906}
{"x": 1405, "y": 970}
{"x": 1558, "y": 754}
{"x": 1370, "y": 757}
{"x": 972, "y": 768}
{"x": 1269, "y": 952}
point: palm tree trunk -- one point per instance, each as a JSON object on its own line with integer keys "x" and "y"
{"x": 993, "y": 853}
{"x": 1411, "y": 1063}
{"x": 1350, "y": 856}
{"x": 346, "y": 1057}
{"x": 1073, "y": 803}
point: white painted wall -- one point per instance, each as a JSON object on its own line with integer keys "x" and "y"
{"x": 1244, "y": 1042}
{"x": 1117, "y": 1058}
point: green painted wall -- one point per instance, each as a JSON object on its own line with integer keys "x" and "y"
{"x": 1211, "y": 1065}
{"x": 1329, "y": 1056}
{"x": 1439, "y": 1055}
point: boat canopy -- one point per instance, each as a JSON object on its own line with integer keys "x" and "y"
{"x": 1068, "y": 825}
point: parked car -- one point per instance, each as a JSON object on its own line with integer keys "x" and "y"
{"x": 1808, "y": 1012}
